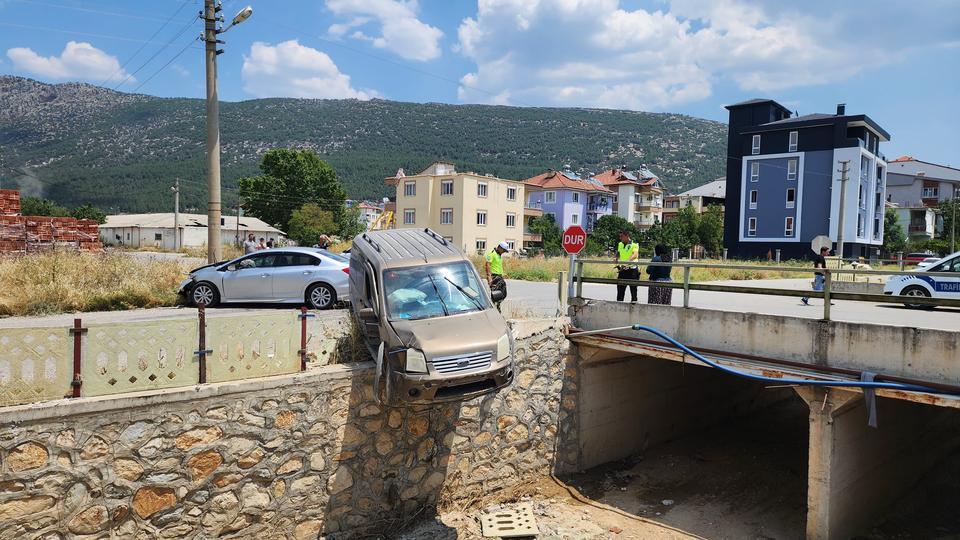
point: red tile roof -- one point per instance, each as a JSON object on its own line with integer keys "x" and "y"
{"x": 615, "y": 177}
{"x": 558, "y": 180}
{"x": 903, "y": 158}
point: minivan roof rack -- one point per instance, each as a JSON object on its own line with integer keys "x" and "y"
{"x": 437, "y": 237}
{"x": 370, "y": 241}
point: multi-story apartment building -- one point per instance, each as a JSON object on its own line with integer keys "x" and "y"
{"x": 638, "y": 195}
{"x": 912, "y": 183}
{"x": 570, "y": 199}
{"x": 474, "y": 211}
{"x": 784, "y": 181}
{"x": 369, "y": 213}
{"x": 699, "y": 198}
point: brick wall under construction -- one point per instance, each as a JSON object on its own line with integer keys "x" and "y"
{"x": 22, "y": 234}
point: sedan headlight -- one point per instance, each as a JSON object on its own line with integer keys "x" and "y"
{"x": 503, "y": 348}
{"x": 416, "y": 362}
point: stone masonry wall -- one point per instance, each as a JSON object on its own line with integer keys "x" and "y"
{"x": 284, "y": 457}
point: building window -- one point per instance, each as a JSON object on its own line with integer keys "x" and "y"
{"x": 575, "y": 219}
{"x": 576, "y": 196}
{"x": 446, "y": 187}
{"x": 791, "y": 169}
{"x": 446, "y": 216}
{"x": 549, "y": 196}
{"x": 409, "y": 189}
{"x": 481, "y": 217}
{"x": 752, "y": 226}
{"x": 930, "y": 193}
{"x": 511, "y": 220}
{"x": 861, "y": 200}
{"x": 860, "y": 225}
{"x": 409, "y": 216}
{"x": 481, "y": 244}
{"x": 791, "y": 197}
{"x": 481, "y": 189}
{"x": 511, "y": 193}
{"x": 792, "y": 146}
{"x": 552, "y": 215}
{"x": 755, "y": 171}
{"x": 788, "y": 226}
{"x": 755, "y": 147}
{"x": 753, "y": 199}
{"x": 158, "y": 236}
{"x": 511, "y": 245}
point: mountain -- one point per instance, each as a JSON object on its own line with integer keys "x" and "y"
{"x": 78, "y": 143}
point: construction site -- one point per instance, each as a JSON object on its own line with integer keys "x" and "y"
{"x": 27, "y": 234}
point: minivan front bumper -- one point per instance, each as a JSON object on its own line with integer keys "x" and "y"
{"x": 424, "y": 389}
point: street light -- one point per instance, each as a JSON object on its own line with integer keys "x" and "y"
{"x": 210, "y": 16}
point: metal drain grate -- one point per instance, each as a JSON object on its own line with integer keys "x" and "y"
{"x": 510, "y": 522}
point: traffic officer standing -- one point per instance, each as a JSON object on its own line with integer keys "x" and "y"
{"x": 627, "y": 251}
{"x": 494, "y": 269}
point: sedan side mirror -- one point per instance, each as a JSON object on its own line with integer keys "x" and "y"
{"x": 232, "y": 268}
{"x": 497, "y": 295}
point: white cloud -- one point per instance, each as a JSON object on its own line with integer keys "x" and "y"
{"x": 597, "y": 53}
{"x": 401, "y": 32}
{"x": 290, "y": 69}
{"x": 78, "y": 61}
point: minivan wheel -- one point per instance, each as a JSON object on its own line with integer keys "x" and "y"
{"x": 205, "y": 294}
{"x": 321, "y": 296}
{"x": 919, "y": 292}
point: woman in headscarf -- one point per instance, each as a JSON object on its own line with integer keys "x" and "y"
{"x": 660, "y": 295}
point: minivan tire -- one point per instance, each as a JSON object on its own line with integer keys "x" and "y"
{"x": 204, "y": 293}
{"x": 918, "y": 291}
{"x": 321, "y": 296}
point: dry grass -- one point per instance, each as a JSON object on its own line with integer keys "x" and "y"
{"x": 66, "y": 281}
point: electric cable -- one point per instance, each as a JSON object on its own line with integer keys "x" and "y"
{"x": 144, "y": 64}
{"x": 144, "y": 44}
{"x": 157, "y": 72}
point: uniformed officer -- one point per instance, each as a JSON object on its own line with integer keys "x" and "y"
{"x": 627, "y": 252}
{"x": 494, "y": 269}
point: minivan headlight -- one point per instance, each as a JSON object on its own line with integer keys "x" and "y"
{"x": 416, "y": 362}
{"x": 503, "y": 347}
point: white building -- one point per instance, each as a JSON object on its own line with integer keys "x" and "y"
{"x": 369, "y": 213}
{"x": 156, "y": 230}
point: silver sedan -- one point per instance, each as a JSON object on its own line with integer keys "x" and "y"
{"x": 313, "y": 276}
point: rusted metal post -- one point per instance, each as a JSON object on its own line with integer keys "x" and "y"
{"x": 579, "y": 279}
{"x": 77, "y": 331}
{"x": 202, "y": 351}
{"x": 827, "y": 280}
{"x": 303, "y": 338}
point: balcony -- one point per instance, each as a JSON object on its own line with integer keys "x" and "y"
{"x": 641, "y": 206}
{"x": 919, "y": 228}
{"x": 533, "y": 208}
{"x": 532, "y": 237}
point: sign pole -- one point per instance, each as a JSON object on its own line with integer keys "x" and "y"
{"x": 573, "y": 258}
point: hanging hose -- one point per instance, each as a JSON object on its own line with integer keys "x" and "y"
{"x": 798, "y": 382}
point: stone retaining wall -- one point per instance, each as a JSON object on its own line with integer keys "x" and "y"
{"x": 285, "y": 457}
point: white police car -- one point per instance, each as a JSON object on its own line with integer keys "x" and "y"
{"x": 918, "y": 284}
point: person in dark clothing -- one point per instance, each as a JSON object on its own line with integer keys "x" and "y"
{"x": 819, "y": 261}
{"x": 627, "y": 252}
{"x": 660, "y": 295}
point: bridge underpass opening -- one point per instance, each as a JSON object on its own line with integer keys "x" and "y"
{"x": 739, "y": 458}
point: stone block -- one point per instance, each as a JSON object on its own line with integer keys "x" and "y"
{"x": 203, "y": 464}
{"x": 128, "y": 469}
{"x": 27, "y": 456}
{"x": 150, "y": 500}
{"x": 285, "y": 419}
{"x": 28, "y": 506}
{"x": 206, "y": 435}
{"x": 340, "y": 480}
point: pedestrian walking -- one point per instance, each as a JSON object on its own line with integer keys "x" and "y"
{"x": 627, "y": 251}
{"x": 820, "y": 261}
{"x": 250, "y": 244}
{"x": 660, "y": 295}
{"x": 494, "y": 270}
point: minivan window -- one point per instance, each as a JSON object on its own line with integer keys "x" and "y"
{"x": 424, "y": 292}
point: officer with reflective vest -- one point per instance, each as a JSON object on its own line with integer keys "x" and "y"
{"x": 494, "y": 269}
{"x": 627, "y": 252}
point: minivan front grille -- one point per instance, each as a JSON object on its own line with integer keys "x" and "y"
{"x": 462, "y": 362}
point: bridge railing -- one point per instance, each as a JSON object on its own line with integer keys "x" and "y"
{"x": 827, "y": 294}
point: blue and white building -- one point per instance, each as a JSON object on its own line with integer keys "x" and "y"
{"x": 570, "y": 198}
{"x": 784, "y": 181}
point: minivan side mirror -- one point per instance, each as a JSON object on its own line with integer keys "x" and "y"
{"x": 497, "y": 295}
{"x": 367, "y": 313}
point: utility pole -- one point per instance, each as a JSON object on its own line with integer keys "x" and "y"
{"x": 176, "y": 214}
{"x": 211, "y": 11}
{"x": 953, "y": 221}
{"x": 844, "y": 170}
{"x": 239, "y": 209}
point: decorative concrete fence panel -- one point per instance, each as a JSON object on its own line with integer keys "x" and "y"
{"x": 245, "y": 347}
{"x": 133, "y": 357}
{"x": 35, "y": 364}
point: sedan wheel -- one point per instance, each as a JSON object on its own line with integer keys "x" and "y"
{"x": 205, "y": 294}
{"x": 321, "y": 296}
{"x": 917, "y": 292}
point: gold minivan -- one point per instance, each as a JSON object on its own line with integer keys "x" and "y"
{"x": 427, "y": 319}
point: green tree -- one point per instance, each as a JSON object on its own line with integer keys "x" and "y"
{"x": 893, "y": 238}
{"x": 948, "y": 209}
{"x": 35, "y": 206}
{"x": 89, "y": 212}
{"x": 350, "y": 225}
{"x": 546, "y": 226}
{"x": 710, "y": 230}
{"x": 308, "y": 223}
{"x": 290, "y": 179}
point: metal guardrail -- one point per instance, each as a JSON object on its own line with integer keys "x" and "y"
{"x": 827, "y": 294}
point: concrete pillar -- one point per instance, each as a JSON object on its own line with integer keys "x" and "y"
{"x": 854, "y": 471}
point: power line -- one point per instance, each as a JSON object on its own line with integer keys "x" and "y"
{"x": 144, "y": 44}
{"x": 88, "y": 34}
{"x": 174, "y": 38}
{"x": 155, "y": 73}
{"x": 96, "y": 11}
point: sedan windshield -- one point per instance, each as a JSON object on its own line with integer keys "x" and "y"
{"x": 423, "y": 292}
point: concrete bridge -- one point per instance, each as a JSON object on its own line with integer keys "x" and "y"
{"x": 637, "y": 391}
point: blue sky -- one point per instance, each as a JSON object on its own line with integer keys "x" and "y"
{"x": 897, "y": 62}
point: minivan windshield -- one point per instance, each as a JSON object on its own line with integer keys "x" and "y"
{"x": 423, "y": 292}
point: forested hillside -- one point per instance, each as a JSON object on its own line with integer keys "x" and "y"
{"x": 77, "y": 143}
